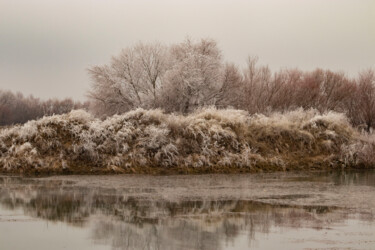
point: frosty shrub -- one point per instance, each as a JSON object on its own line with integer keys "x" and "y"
{"x": 207, "y": 140}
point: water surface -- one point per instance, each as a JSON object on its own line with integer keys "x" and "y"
{"x": 257, "y": 211}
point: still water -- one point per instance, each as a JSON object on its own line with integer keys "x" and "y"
{"x": 325, "y": 210}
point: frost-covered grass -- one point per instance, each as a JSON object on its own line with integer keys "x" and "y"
{"x": 208, "y": 140}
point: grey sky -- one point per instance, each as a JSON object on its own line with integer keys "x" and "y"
{"x": 46, "y": 46}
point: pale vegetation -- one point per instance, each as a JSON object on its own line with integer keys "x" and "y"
{"x": 182, "y": 107}
{"x": 206, "y": 140}
{"x": 183, "y": 77}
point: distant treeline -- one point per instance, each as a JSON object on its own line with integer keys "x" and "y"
{"x": 182, "y": 77}
{"x": 15, "y": 108}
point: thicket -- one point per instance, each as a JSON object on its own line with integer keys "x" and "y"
{"x": 183, "y": 77}
{"x": 208, "y": 140}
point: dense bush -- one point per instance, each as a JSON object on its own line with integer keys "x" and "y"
{"x": 217, "y": 140}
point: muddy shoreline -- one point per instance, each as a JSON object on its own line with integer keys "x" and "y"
{"x": 142, "y": 170}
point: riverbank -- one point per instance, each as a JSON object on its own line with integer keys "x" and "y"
{"x": 207, "y": 141}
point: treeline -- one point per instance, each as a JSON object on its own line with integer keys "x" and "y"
{"x": 15, "y": 108}
{"x": 182, "y": 77}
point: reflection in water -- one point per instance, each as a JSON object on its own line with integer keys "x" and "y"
{"x": 364, "y": 177}
{"x": 120, "y": 218}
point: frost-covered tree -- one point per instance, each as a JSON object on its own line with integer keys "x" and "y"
{"x": 132, "y": 79}
{"x": 178, "y": 78}
{"x": 196, "y": 76}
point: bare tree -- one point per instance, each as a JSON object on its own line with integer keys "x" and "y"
{"x": 366, "y": 98}
{"x": 231, "y": 88}
{"x": 257, "y": 86}
{"x": 283, "y": 89}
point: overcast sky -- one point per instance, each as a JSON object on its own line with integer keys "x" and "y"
{"x": 47, "y": 45}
